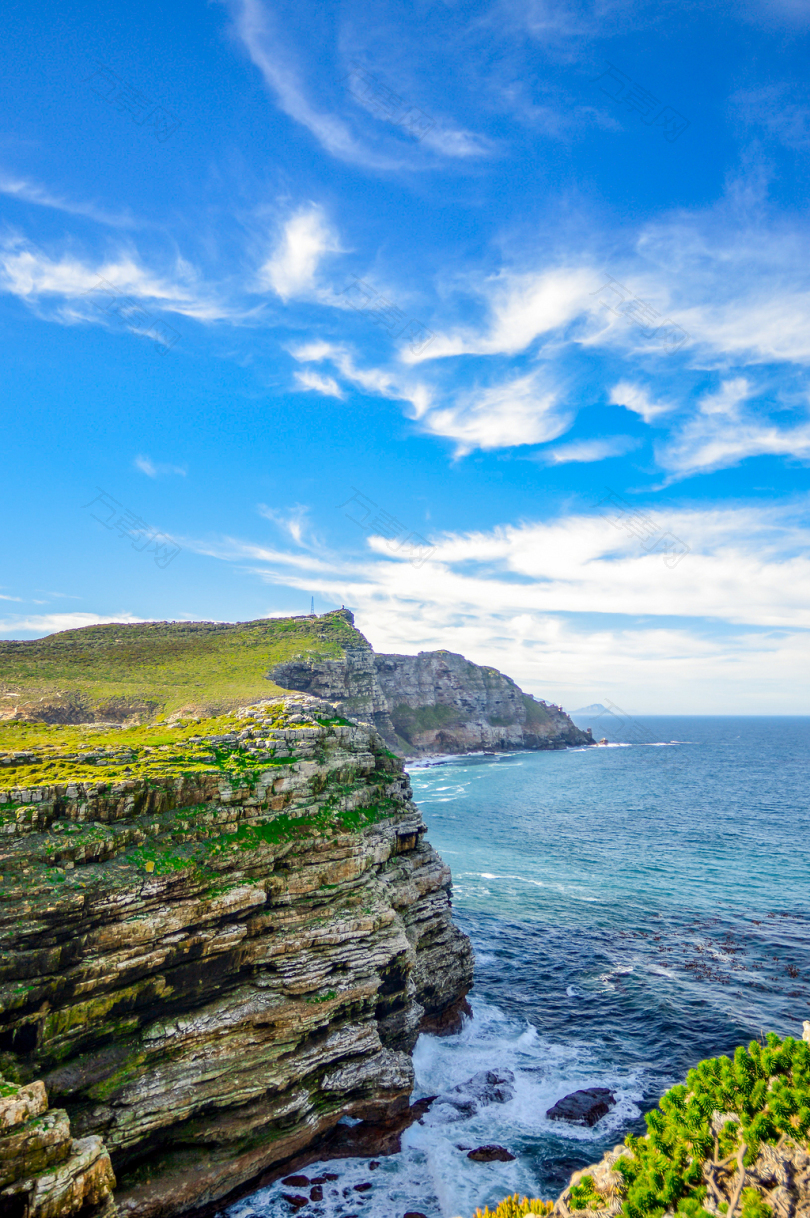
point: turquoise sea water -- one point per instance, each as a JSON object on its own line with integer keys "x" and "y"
{"x": 633, "y": 908}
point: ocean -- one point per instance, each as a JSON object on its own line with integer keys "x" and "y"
{"x": 634, "y": 908}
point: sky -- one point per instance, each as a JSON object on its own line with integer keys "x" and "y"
{"x": 487, "y": 320}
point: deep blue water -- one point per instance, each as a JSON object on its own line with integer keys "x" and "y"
{"x": 633, "y": 908}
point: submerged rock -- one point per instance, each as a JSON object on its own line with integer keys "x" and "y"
{"x": 584, "y": 1107}
{"x": 491, "y": 1154}
{"x": 485, "y": 1087}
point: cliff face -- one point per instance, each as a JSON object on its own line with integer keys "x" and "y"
{"x": 434, "y": 702}
{"x": 217, "y": 940}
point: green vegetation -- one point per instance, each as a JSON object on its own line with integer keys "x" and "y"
{"x": 43, "y": 754}
{"x": 516, "y": 1207}
{"x": 714, "y": 1125}
{"x": 766, "y": 1089}
{"x": 409, "y": 721}
{"x": 584, "y": 1195}
{"x": 88, "y": 753}
{"x": 536, "y": 715}
{"x": 143, "y": 670}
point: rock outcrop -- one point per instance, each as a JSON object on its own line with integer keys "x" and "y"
{"x": 433, "y": 702}
{"x": 216, "y": 942}
{"x": 44, "y": 1172}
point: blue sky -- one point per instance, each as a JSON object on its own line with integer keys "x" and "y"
{"x": 488, "y": 320}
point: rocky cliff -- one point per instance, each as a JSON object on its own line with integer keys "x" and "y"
{"x": 433, "y": 702}
{"x": 218, "y": 939}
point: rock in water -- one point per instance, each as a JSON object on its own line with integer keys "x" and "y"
{"x": 491, "y": 1154}
{"x": 485, "y": 1087}
{"x": 584, "y": 1107}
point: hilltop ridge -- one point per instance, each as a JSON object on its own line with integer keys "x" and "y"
{"x": 148, "y": 672}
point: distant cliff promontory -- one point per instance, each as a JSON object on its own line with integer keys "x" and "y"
{"x": 434, "y": 702}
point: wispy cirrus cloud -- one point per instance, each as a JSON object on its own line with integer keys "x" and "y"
{"x": 587, "y": 450}
{"x": 637, "y": 398}
{"x": 154, "y": 469}
{"x": 258, "y": 31}
{"x": 326, "y": 385}
{"x": 255, "y": 27}
{"x": 65, "y": 280}
{"x": 31, "y": 192}
{"x": 293, "y": 521}
{"x": 521, "y": 307}
{"x": 518, "y": 410}
{"x": 723, "y": 432}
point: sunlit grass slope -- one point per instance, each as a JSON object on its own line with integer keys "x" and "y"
{"x": 145, "y": 671}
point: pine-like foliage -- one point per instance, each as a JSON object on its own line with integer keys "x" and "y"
{"x": 765, "y": 1090}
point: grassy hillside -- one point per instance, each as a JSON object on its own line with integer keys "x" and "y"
{"x": 145, "y": 671}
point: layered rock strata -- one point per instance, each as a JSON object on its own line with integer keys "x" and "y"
{"x": 214, "y": 958}
{"x": 433, "y": 702}
{"x": 44, "y": 1172}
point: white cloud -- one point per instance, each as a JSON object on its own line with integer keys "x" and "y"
{"x": 637, "y": 399}
{"x": 152, "y": 470}
{"x": 521, "y": 307}
{"x": 371, "y": 380}
{"x": 518, "y": 411}
{"x": 50, "y": 623}
{"x": 587, "y": 450}
{"x": 274, "y": 61}
{"x": 455, "y": 142}
{"x": 712, "y": 441}
{"x": 293, "y": 266}
{"x": 263, "y": 43}
{"x": 33, "y": 275}
{"x": 724, "y": 631}
{"x": 315, "y": 351}
{"x": 327, "y": 385}
{"x": 293, "y": 521}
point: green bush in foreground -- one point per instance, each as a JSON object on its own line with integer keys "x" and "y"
{"x": 765, "y": 1091}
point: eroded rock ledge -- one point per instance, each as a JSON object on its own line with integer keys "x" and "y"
{"x": 211, "y": 961}
{"x": 44, "y": 1172}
